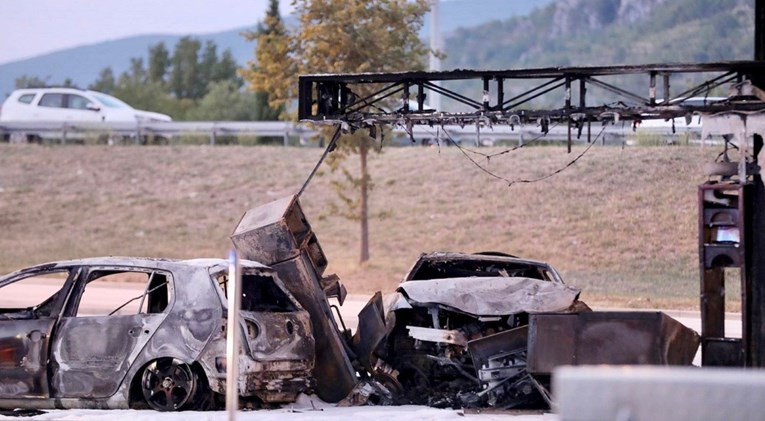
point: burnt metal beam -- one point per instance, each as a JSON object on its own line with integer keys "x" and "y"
{"x": 334, "y": 98}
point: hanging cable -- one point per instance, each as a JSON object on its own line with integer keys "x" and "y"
{"x": 330, "y": 148}
{"x": 520, "y": 181}
{"x": 506, "y": 151}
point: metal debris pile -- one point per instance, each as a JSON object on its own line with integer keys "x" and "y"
{"x": 462, "y": 330}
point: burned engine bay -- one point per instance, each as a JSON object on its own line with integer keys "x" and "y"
{"x": 462, "y": 330}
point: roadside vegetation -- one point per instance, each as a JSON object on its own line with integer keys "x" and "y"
{"x": 620, "y": 223}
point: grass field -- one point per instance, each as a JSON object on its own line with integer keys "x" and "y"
{"x": 620, "y": 223}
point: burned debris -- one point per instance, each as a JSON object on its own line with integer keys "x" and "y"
{"x": 462, "y": 330}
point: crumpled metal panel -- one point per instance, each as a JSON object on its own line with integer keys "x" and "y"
{"x": 492, "y": 296}
{"x": 618, "y": 337}
{"x": 23, "y": 354}
{"x": 335, "y": 375}
{"x": 370, "y": 332}
{"x": 278, "y": 234}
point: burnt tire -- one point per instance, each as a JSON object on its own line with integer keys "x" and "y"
{"x": 169, "y": 384}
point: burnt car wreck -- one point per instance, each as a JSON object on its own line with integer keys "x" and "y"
{"x": 162, "y": 348}
{"x": 478, "y": 330}
{"x": 461, "y": 330}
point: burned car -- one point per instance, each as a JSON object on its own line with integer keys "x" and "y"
{"x": 130, "y": 332}
{"x": 432, "y": 341}
{"x": 488, "y": 329}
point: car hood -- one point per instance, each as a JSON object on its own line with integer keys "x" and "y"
{"x": 491, "y": 296}
{"x": 142, "y": 115}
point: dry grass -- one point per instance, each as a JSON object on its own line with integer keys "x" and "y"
{"x": 621, "y": 223}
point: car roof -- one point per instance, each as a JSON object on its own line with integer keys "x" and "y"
{"x": 441, "y": 255}
{"x": 211, "y": 264}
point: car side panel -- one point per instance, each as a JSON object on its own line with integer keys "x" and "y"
{"x": 91, "y": 355}
{"x": 23, "y": 355}
{"x": 196, "y": 314}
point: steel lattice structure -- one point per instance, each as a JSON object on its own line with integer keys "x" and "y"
{"x": 338, "y": 98}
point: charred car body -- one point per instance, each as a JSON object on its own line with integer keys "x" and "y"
{"x": 163, "y": 348}
{"x": 487, "y": 329}
{"x": 430, "y": 341}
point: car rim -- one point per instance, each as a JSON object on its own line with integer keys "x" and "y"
{"x": 168, "y": 384}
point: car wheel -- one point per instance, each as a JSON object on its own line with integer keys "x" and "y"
{"x": 168, "y": 384}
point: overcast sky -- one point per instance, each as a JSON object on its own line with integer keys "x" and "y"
{"x": 32, "y": 27}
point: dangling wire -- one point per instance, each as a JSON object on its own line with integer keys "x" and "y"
{"x": 330, "y": 148}
{"x": 520, "y": 181}
{"x": 506, "y": 151}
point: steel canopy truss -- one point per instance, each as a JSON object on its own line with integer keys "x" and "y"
{"x": 338, "y": 98}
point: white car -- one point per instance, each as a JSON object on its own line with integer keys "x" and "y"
{"x": 53, "y": 105}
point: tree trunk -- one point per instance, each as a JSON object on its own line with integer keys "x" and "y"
{"x": 364, "y": 210}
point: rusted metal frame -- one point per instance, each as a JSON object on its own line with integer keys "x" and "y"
{"x": 504, "y": 105}
{"x": 568, "y": 111}
{"x": 583, "y": 109}
{"x": 617, "y": 90}
{"x": 561, "y": 82}
{"x": 486, "y": 90}
{"x": 420, "y": 97}
{"x": 707, "y": 86}
{"x": 453, "y": 95}
{"x": 539, "y": 73}
{"x": 424, "y": 80}
{"x": 405, "y": 98}
{"x": 361, "y": 103}
{"x": 756, "y": 304}
{"x": 500, "y": 93}
{"x": 305, "y": 98}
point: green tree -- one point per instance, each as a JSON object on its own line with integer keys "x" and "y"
{"x": 159, "y": 63}
{"x": 137, "y": 73}
{"x": 184, "y": 76}
{"x": 271, "y": 27}
{"x": 207, "y": 64}
{"x": 225, "y": 102}
{"x": 26, "y": 81}
{"x": 226, "y": 69}
{"x": 338, "y": 37}
{"x": 105, "y": 82}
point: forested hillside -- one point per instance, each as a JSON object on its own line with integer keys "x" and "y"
{"x": 605, "y": 32}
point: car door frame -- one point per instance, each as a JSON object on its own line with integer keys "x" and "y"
{"x": 28, "y": 340}
{"x": 92, "y": 370}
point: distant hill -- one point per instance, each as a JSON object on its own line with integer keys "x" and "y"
{"x": 82, "y": 64}
{"x": 608, "y": 32}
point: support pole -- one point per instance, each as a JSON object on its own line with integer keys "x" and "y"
{"x": 759, "y": 30}
{"x": 232, "y": 335}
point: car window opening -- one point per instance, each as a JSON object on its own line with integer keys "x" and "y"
{"x": 18, "y": 303}
{"x": 260, "y": 294}
{"x": 153, "y": 300}
{"x": 467, "y": 268}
